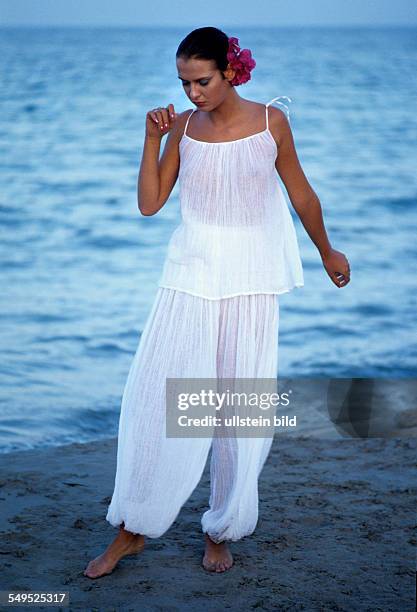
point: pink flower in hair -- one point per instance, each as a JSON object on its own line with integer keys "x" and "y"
{"x": 240, "y": 60}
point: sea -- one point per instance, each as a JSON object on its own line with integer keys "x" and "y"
{"x": 80, "y": 265}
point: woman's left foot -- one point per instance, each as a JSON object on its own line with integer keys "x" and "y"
{"x": 217, "y": 557}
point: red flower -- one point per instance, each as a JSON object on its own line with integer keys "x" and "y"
{"x": 241, "y": 61}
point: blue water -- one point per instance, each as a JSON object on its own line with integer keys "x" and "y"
{"x": 80, "y": 265}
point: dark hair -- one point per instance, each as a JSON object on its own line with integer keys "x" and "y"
{"x": 206, "y": 43}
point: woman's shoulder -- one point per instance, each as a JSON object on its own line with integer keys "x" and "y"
{"x": 275, "y": 115}
{"x": 279, "y": 125}
{"x": 182, "y": 117}
{"x": 179, "y": 126}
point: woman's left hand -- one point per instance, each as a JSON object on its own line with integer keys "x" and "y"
{"x": 337, "y": 267}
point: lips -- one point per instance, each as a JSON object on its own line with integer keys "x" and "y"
{"x": 199, "y": 103}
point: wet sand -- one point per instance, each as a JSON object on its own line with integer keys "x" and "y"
{"x": 336, "y": 531}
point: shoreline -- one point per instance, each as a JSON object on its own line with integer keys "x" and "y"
{"x": 319, "y": 407}
{"x": 335, "y": 528}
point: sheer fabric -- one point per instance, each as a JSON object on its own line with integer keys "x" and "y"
{"x": 185, "y": 337}
{"x": 236, "y": 235}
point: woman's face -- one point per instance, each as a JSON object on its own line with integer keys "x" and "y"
{"x": 203, "y": 82}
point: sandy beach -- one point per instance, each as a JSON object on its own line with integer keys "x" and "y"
{"x": 336, "y": 532}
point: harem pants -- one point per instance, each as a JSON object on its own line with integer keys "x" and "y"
{"x": 186, "y": 336}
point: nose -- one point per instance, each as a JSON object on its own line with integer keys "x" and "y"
{"x": 194, "y": 93}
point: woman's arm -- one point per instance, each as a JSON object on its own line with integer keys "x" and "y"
{"x": 157, "y": 177}
{"x": 304, "y": 199}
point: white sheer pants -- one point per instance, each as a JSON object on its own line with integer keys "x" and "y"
{"x": 186, "y": 336}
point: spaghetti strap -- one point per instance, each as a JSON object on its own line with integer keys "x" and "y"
{"x": 188, "y": 118}
{"x": 287, "y": 112}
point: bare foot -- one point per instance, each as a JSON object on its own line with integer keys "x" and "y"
{"x": 125, "y": 543}
{"x": 217, "y": 557}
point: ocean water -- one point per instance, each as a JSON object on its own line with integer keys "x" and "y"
{"x": 80, "y": 266}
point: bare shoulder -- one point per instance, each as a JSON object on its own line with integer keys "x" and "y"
{"x": 279, "y": 125}
{"x": 179, "y": 126}
{"x": 182, "y": 117}
{"x": 176, "y": 132}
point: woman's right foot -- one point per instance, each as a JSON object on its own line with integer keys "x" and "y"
{"x": 125, "y": 543}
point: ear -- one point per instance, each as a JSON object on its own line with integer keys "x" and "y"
{"x": 229, "y": 73}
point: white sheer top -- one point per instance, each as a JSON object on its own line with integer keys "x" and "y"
{"x": 236, "y": 235}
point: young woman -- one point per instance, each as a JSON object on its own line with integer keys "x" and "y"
{"x": 216, "y": 310}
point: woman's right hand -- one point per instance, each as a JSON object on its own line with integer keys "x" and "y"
{"x": 160, "y": 120}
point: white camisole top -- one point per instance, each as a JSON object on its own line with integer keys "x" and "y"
{"x": 236, "y": 235}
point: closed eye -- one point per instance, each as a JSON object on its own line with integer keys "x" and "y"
{"x": 202, "y": 82}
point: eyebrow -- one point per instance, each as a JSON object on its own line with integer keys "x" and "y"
{"x": 200, "y": 79}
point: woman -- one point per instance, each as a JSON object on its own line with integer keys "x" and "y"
{"x": 216, "y": 310}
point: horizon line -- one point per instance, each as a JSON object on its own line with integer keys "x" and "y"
{"x": 113, "y": 26}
